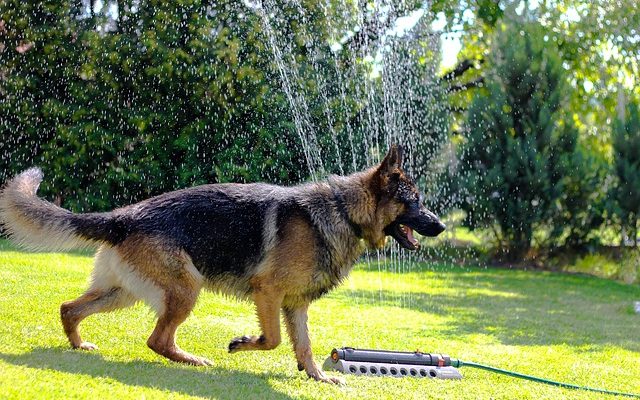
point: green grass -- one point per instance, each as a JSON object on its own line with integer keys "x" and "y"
{"x": 564, "y": 327}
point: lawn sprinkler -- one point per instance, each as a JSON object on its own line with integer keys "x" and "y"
{"x": 391, "y": 363}
{"x": 401, "y": 364}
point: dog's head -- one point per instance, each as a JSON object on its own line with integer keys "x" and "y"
{"x": 400, "y": 203}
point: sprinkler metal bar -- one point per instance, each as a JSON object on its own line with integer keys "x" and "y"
{"x": 391, "y": 363}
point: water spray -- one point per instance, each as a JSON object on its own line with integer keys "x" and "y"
{"x": 424, "y": 365}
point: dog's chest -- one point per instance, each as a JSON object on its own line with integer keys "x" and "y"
{"x": 335, "y": 267}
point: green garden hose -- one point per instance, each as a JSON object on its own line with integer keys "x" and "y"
{"x": 460, "y": 363}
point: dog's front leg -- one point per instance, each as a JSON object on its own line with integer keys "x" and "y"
{"x": 296, "y": 320}
{"x": 268, "y": 305}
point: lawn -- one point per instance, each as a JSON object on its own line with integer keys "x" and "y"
{"x": 570, "y": 328}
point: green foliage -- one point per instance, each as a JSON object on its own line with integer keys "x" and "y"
{"x": 578, "y": 176}
{"x": 485, "y": 12}
{"x": 598, "y": 41}
{"x": 120, "y": 106}
{"x": 622, "y": 264}
{"x": 161, "y": 98}
{"x": 40, "y": 52}
{"x": 522, "y": 168}
{"x": 626, "y": 159}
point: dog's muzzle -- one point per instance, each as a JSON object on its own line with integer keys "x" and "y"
{"x": 422, "y": 221}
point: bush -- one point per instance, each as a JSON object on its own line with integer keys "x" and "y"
{"x": 160, "y": 98}
{"x": 626, "y": 194}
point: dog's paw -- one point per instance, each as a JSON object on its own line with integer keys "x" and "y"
{"x": 200, "y": 362}
{"x": 237, "y": 343}
{"x": 334, "y": 380}
{"x": 87, "y": 346}
{"x": 321, "y": 377}
{"x": 338, "y": 380}
{"x": 330, "y": 379}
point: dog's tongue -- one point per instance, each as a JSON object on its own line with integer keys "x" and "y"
{"x": 412, "y": 240}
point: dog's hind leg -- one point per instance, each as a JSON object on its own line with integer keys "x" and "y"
{"x": 179, "y": 302}
{"x": 105, "y": 294}
{"x": 296, "y": 321}
{"x": 268, "y": 303}
{"x": 165, "y": 278}
{"x": 93, "y": 301}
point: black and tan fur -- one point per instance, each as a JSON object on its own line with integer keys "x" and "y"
{"x": 281, "y": 247}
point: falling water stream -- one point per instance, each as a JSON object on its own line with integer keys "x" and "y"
{"x": 389, "y": 68}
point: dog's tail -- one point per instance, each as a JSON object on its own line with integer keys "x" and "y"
{"x": 39, "y": 225}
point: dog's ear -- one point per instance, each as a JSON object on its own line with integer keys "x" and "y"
{"x": 390, "y": 169}
{"x": 392, "y": 161}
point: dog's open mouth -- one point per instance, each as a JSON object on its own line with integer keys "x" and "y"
{"x": 408, "y": 235}
{"x": 403, "y": 234}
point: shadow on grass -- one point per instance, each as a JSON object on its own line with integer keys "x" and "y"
{"x": 194, "y": 381}
{"x": 519, "y": 307}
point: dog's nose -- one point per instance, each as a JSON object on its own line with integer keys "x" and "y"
{"x": 440, "y": 228}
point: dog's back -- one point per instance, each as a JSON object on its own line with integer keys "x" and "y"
{"x": 221, "y": 227}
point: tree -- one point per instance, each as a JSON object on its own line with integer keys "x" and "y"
{"x": 626, "y": 147}
{"x": 516, "y": 156}
{"x": 598, "y": 41}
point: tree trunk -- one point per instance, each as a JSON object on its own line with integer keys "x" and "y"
{"x": 634, "y": 230}
{"x": 120, "y": 23}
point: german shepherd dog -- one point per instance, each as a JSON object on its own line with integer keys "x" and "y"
{"x": 281, "y": 247}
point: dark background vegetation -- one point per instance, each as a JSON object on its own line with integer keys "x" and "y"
{"x": 538, "y": 142}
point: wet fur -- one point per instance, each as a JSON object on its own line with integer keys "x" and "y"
{"x": 281, "y": 247}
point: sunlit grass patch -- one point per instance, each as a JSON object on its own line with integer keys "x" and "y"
{"x": 564, "y": 327}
